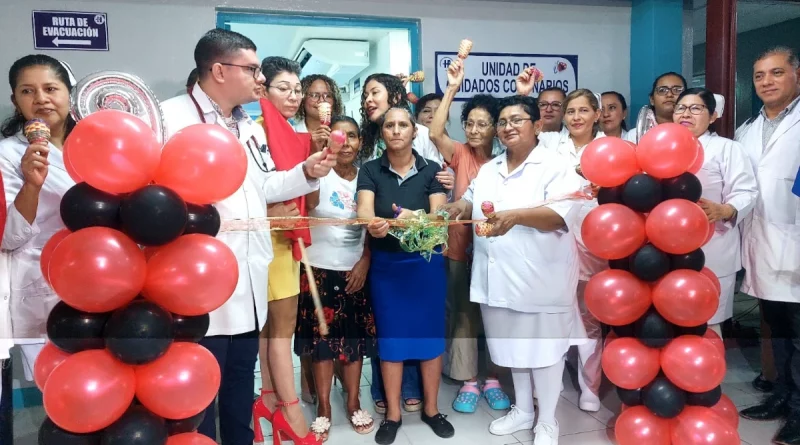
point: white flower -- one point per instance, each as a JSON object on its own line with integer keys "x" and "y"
{"x": 361, "y": 418}
{"x": 321, "y": 425}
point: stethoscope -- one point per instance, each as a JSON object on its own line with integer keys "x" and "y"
{"x": 251, "y": 143}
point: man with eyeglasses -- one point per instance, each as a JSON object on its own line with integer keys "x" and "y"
{"x": 229, "y": 75}
{"x": 550, "y": 101}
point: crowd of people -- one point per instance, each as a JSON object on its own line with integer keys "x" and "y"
{"x": 521, "y": 286}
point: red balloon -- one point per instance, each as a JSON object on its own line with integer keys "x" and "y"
{"x": 702, "y": 426}
{"x": 677, "y": 226}
{"x": 179, "y": 384}
{"x": 629, "y": 364}
{"x": 686, "y": 298}
{"x": 637, "y": 425}
{"x": 89, "y": 391}
{"x": 711, "y": 230}
{"x": 617, "y": 297}
{"x": 69, "y": 168}
{"x": 608, "y": 162}
{"x": 727, "y": 410}
{"x": 47, "y": 252}
{"x": 113, "y": 151}
{"x": 667, "y": 150}
{"x": 698, "y": 161}
{"x": 714, "y": 280}
{"x": 613, "y": 231}
{"x": 715, "y": 340}
{"x": 190, "y": 439}
{"x": 203, "y": 163}
{"x": 693, "y": 363}
{"x": 47, "y": 360}
{"x": 97, "y": 269}
{"x": 193, "y": 275}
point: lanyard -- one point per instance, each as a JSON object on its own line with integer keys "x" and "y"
{"x": 252, "y": 142}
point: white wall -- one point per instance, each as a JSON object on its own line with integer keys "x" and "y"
{"x": 154, "y": 39}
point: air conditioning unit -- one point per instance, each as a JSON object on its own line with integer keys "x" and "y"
{"x": 340, "y": 60}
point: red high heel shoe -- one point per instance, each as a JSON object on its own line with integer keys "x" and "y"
{"x": 260, "y": 411}
{"x": 281, "y": 425}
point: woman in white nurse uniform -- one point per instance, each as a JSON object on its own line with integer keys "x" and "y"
{"x": 729, "y": 191}
{"x": 525, "y": 272}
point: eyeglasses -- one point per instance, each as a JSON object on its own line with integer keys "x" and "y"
{"x": 662, "y": 91}
{"x": 284, "y": 90}
{"x": 319, "y": 96}
{"x": 554, "y": 105}
{"x": 694, "y": 109}
{"x": 480, "y": 125}
{"x": 515, "y": 122}
{"x": 256, "y": 70}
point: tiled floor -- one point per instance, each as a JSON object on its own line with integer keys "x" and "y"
{"x": 577, "y": 427}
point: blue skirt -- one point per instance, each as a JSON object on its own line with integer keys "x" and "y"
{"x": 408, "y": 300}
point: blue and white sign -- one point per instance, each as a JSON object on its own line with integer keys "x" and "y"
{"x": 83, "y": 31}
{"x": 496, "y": 73}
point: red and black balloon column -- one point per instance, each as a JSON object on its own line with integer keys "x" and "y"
{"x": 138, "y": 270}
{"x": 657, "y": 295}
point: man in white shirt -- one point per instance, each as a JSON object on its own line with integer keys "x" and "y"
{"x": 771, "y": 236}
{"x": 229, "y": 75}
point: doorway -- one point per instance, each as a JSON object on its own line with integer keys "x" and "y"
{"x": 344, "y": 48}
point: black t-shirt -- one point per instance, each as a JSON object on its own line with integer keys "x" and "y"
{"x": 411, "y": 193}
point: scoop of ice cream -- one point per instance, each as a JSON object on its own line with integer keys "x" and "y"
{"x": 487, "y": 208}
{"x": 337, "y": 141}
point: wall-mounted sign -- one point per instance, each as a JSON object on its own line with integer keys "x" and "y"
{"x": 81, "y": 31}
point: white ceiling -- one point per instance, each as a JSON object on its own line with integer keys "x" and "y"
{"x": 750, "y": 15}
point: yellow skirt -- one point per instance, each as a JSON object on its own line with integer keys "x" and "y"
{"x": 284, "y": 271}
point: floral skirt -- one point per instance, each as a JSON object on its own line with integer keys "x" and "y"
{"x": 351, "y": 325}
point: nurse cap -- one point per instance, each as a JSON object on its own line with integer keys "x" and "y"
{"x": 720, "y": 104}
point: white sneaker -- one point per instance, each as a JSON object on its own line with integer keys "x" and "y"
{"x": 589, "y": 402}
{"x": 515, "y": 420}
{"x": 546, "y": 434}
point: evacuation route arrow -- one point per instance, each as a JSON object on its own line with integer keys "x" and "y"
{"x": 58, "y": 41}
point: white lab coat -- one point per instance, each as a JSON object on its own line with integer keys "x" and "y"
{"x": 31, "y": 297}
{"x": 246, "y": 310}
{"x": 727, "y": 178}
{"x": 771, "y": 236}
{"x": 6, "y": 334}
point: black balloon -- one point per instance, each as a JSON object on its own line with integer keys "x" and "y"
{"x": 663, "y": 398}
{"x": 609, "y": 195}
{"x": 649, "y": 264}
{"x": 153, "y": 215}
{"x": 202, "y": 219}
{"x": 641, "y": 193}
{"x": 74, "y": 331}
{"x": 188, "y": 328}
{"x": 630, "y": 397}
{"x": 621, "y": 264}
{"x": 707, "y": 399}
{"x": 51, "y": 434}
{"x": 628, "y": 330}
{"x": 694, "y": 260}
{"x": 137, "y": 426}
{"x": 694, "y": 330}
{"x": 84, "y": 206}
{"x": 685, "y": 186}
{"x": 185, "y": 425}
{"x": 653, "y": 330}
{"x": 139, "y": 332}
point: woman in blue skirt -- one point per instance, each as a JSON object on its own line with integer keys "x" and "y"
{"x": 404, "y": 286}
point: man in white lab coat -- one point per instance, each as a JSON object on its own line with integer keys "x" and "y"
{"x": 229, "y": 76}
{"x": 771, "y": 236}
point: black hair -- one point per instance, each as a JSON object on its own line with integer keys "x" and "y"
{"x": 306, "y": 83}
{"x": 791, "y": 55}
{"x": 192, "y": 79}
{"x": 483, "y": 102}
{"x": 708, "y": 99}
{"x": 215, "y": 46}
{"x": 398, "y": 98}
{"x": 527, "y": 103}
{"x": 423, "y": 101}
{"x": 622, "y": 102}
{"x": 271, "y": 67}
{"x": 16, "y": 122}
{"x": 671, "y": 73}
{"x": 343, "y": 118}
{"x": 563, "y": 93}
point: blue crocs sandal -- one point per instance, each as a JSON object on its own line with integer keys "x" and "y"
{"x": 467, "y": 399}
{"x": 495, "y": 396}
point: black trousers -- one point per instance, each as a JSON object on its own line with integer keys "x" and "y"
{"x": 6, "y": 405}
{"x": 784, "y": 321}
{"x": 237, "y": 356}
